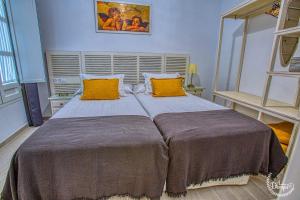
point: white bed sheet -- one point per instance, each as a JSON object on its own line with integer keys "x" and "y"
{"x": 78, "y": 108}
{"x": 189, "y": 103}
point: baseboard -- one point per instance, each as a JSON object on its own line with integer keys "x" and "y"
{"x": 14, "y": 135}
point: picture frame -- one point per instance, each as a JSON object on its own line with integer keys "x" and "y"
{"x": 122, "y": 17}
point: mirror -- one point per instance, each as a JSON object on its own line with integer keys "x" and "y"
{"x": 288, "y": 45}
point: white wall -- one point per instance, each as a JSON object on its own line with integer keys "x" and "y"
{"x": 177, "y": 27}
{"x": 12, "y": 118}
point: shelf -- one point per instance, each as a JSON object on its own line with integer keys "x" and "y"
{"x": 290, "y": 32}
{"x": 251, "y": 7}
{"x": 275, "y": 108}
{"x": 286, "y": 74}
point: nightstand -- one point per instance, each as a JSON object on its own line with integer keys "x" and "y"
{"x": 57, "y": 102}
{"x": 197, "y": 91}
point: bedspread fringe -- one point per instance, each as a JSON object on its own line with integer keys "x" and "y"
{"x": 183, "y": 194}
{"x": 118, "y": 195}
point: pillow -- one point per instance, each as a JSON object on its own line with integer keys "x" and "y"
{"x": 100, "y": 89}
{"x": 170, "y": 87}
{"x": 148, "y": 76}
{"x": 78, "y": 92}
{"x": 115, "y": 76}
{"x": 139, "y": 88}
{"x": 128, "y": 89}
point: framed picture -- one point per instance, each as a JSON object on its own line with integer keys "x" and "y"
{"x": 119, "y": 17}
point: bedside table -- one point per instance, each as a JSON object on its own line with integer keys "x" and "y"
{"x": 57, "y": 102}
{"x": 197, "y": 90}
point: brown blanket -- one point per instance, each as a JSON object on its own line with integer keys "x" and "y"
{"x": 216, "y": 145}
{"x": 89, "y": 158}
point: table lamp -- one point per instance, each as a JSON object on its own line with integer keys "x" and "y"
{"x": 192, "y": 69}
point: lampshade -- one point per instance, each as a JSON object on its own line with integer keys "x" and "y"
{"x": 192, "y": 68}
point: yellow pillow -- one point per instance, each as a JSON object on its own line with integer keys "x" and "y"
{"x": 168, "y": 87}
{"x": 284, "y": 147}
{"x": 283, "y": 131}
{"x": 100, "y": 89}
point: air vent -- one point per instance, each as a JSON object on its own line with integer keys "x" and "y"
{"x": 66, "y": 88}
{"x": 64, "y": 69}
{"x": 126, "y": 64}
{"x": 97, "y": 64}
{"x": 65, "y": 65}
{"x": 176, "y": 64}
{"x": 150, "y": 64}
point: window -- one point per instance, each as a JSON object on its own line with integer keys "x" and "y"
{"x": 9, "y": 87}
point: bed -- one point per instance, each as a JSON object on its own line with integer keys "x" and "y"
{"x": 210, "y": 144}
{"x": 91, "y": 150}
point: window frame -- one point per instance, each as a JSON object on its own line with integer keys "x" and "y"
{"x": 10, "y": 91}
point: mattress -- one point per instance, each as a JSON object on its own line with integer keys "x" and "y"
{"x": 190, "y": 103}
{"x": 78, "y": 108}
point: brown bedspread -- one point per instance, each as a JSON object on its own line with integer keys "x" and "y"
{"x": 216, "y": 145}
{"x": 89, "y": 158}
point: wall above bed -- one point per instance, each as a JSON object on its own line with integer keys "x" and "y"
{"x": 188, "y": 27}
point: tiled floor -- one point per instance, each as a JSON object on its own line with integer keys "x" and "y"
{"x": 255, "y": 190}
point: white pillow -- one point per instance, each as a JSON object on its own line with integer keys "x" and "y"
{"x": 117, "y": 76}
{"x": 148, "y": 76}
{"x": 128, "y": 88}
{"x": 139, "y": 88}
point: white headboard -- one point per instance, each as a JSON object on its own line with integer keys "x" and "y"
{"x": 64, "y": 67}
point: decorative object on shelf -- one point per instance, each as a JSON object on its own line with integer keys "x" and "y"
{"x": 192, "y": 70}
{"x": 288, "y": 45}
{"x": 120, "y": 17}
{"x": 295, "y": 65}
{"x": 275, "y": 9}
{"x": 196, "y": 90}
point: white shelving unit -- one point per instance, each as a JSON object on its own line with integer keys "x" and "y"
{"x": 249, "y": 8}
{"x": 294, "y": 32}
{"x": 262, "y": 104}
